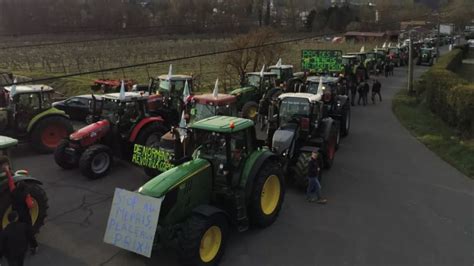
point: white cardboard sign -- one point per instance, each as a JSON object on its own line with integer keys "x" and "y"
{"x": 132, "y": 221}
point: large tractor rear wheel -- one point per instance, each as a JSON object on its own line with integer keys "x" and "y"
{"x": 346, "y": 120}
{"x": 48, "y": 133}
{"x": 96, "y": 161}
{"x": 203, "y": 239}
{"x": 267, "y": 195}
{"x": 300, "y": 169}
{"x": 62, "y": 158}
{"x": 38, "y": 213}
{"x": 150, "y": 136}
{"x": 250, "y": 111}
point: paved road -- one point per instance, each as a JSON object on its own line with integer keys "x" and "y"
{"x": 391, "y": 202}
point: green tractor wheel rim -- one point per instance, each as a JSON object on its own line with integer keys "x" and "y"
{"x": 210, "y": 243}
{"x": 270, "y": 194}
{"x": 34, "y": 212}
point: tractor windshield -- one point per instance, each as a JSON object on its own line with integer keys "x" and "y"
{"x": 201, "y": 111}
{"x": 371, "y": 56}
{"x": 253, "y": 80}
{"x": 291, "y": 108}
{"x": 213, "y": 144}
{"x": 393, "y": 51}
{"x": 109, "y": 110}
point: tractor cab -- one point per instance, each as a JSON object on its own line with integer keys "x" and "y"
{"x": 169, "y": 91}
{"x": 361, "y": 56}
{"x": 350, "y": 62}
{"x": 331, "y": 84}
{"x": 207, "y": 105}
{"x": 27, "y": 102}
{"x": 426, "y": 56}
{"x": 261, "y": 82}
{"x": 123, "y": 111}
{"x": 284, "y": 72}
{"x": 6, "y": 143}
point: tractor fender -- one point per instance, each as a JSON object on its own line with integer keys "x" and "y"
{"x": 48, "y": 113}
{"x": 18, "y": 178}
{"x": 257, "y": 165}
{"x": 143, "y": 123}
{"x": 328, "y": 125}
{"x": 208, "y": 211}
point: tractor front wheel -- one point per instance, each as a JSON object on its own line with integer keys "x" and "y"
{"x": 203, "y": 239}
{"x": 38, "y": 213}
{"x": 96, "y": 161}
{"x": 267, "y": 195}
{"x": 48, "y": 133}
{"x": 62, "y": 158}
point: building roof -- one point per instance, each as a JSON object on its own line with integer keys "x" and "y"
{"x": 221, "y": 99}
{"x": 309, "y": 96}
{"x": 222, "y": 124}
{"x": 30, "y": 88}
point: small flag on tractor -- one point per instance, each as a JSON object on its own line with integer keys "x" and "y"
{"x": 215, "y": 92}
{"x": 278, "y": 64}
{"x": 362, "y": 49}
{"x": 186, "y": 93}
{"x": 262, "y": 71}
{"x": 13, "y": 89}
{"x": 384, "y": 45}
{"x": 320, "y": 87}
{"x": 122, "y": 91}
{"x": 182, "y": 127}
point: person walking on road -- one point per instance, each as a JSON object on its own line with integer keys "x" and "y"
{"x": 376, "y": 86}
{"x": 363, "y": 90}
{"x": 14, "y": 240}
{"x": 353, "y": 89}
{"x": 313, "y": 192}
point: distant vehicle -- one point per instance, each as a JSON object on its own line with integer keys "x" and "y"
{"x": 471, "y": 43}
{"x": 77, "y": 107}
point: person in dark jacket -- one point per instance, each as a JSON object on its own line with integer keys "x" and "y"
{"x": 363, "y": 90}
{"x": 14, "y": 240}
{"x": 313, "y": 192}
{"x": 376, "y": 87}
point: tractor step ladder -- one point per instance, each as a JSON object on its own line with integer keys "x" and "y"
{"x": 241, "y": 211}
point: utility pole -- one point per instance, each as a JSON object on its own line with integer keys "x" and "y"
{"x": 410, "y": 64}
{"x": 438, "y": 39}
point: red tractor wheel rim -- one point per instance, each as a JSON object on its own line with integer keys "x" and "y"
{"x": 52, "y": 135}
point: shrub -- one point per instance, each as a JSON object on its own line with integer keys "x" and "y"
{"x": 447, "y": 94}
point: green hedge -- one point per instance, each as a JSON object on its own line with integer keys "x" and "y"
{"x": 447, "y": 94}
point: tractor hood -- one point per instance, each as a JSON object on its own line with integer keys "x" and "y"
{"x": 242, "y": 90}
{"x": 95, "y": 130}
{"x": 283, "y": 139}
{"x": 160, "y": 185}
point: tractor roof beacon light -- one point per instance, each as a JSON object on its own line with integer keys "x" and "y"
{"x": 232, "y": 125}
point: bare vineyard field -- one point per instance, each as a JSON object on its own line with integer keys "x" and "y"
{"x": 50, "y": 61}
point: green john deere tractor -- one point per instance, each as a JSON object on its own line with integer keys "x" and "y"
{"x": 26, "y": 112}
{"x": 426, "y": 57}
{"x": 230, "y": 181}
{"x": 33, "y": 187}
{"x": 254, "y": 88}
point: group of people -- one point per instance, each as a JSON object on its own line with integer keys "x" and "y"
{"x": 18, "y": 236}
{"x": 363, "y": 90}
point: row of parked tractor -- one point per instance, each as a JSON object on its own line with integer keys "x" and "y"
{"x": 201, "y": 150}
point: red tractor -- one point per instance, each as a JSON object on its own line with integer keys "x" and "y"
{"x": 125, "y": 121}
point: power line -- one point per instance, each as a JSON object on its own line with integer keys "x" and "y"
{"x": 187, "y": 57}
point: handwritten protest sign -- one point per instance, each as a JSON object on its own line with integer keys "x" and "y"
{"x": 132, "y": 221}
{"x": 152, "y": 158}
{"x": 321, "y": 60}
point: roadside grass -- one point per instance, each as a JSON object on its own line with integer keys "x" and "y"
{"x": 434, "y": 133}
